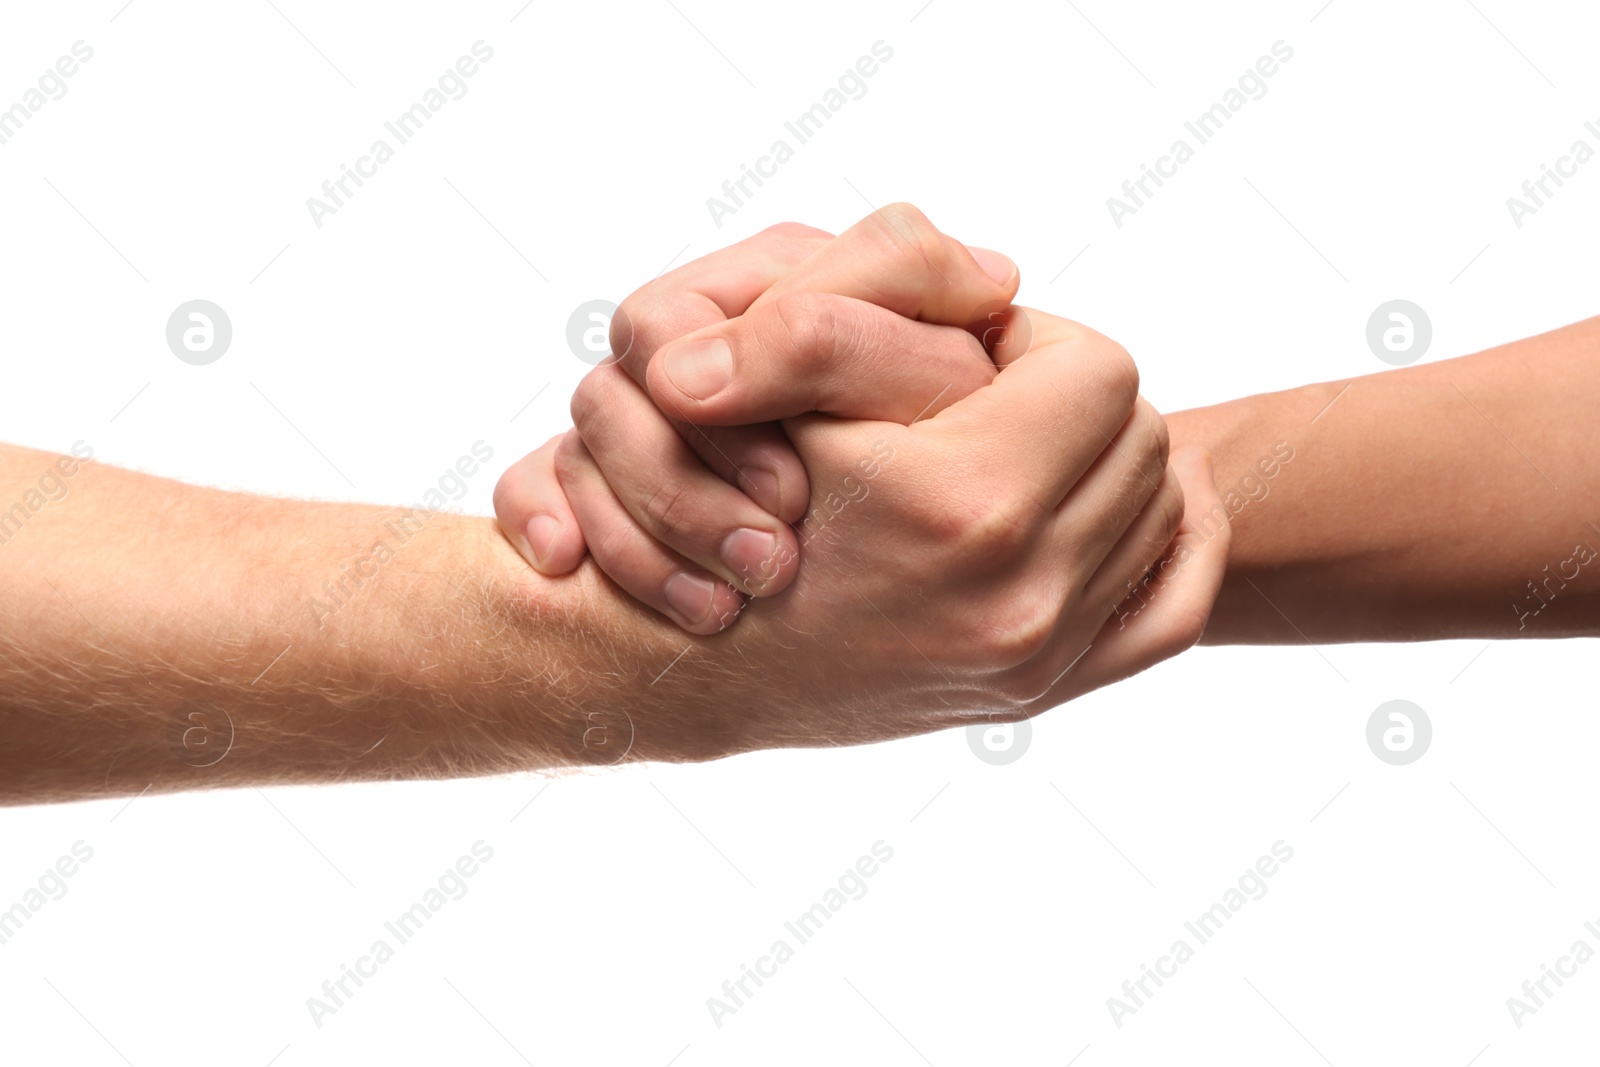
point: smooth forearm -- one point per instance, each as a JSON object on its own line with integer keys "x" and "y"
{"x": 1453, "y": 499}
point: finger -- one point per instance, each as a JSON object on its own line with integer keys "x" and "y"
{"x": 817, "y": 352}
{"x": 1171, "y": 610}
{"x": 896, "y": 258}
{"x": 671, "y": 496}
{"x": 710, "y": 289}
{"x": 1044, "y": 420}
{"x": 1125, "y": 480}
{"x": 1116, "y": 527}
{"x": 756, "y": 459}
{"x": 534, "y": 514}
{"x": 1125, "y": 570}
{"x": 696, "y": 600}
{"x": 1007, "y": 333}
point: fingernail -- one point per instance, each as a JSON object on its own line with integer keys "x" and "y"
{"x": 764, "y": 489}
{"x": 995, "y": 265}
{"x": 541, "y": 533}
{"x": 689, "y": 596}
{"x": 701, "y": 369}
{"x": 750, "y": 554}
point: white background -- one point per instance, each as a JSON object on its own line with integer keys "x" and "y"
{"x": 1019, "y": 898}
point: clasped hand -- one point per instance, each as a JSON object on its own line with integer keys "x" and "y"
{"x": 853, "y": 467}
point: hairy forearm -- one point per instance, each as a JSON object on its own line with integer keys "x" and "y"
{"x": 1453, "y": 499}
{"x": 162, "y": 635}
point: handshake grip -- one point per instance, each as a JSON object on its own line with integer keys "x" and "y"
{"x": 863, "y": 440}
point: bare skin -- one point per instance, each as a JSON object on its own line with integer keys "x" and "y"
{"x": 1452, "y": 499}
{"x": 189, "y": 641}
{"x": 1449, "y": 500}
{"x": 194, "y": 612}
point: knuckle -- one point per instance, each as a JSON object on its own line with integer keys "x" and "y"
{"x": 509, "y": 501}
{"x": 1165, "y": 508}
{"x": 912, "y": 235}
{"x": 647, "y": 303}
{"x": 1156, "y": 447}
{"x": 1140, "y": 451}
{"x": 1159, "y": 435}
{"x": 1144, "y": 488}
{"x": 1125, "y": 374}
{"x": 633, "y": 320}
{"x": 1135, "y": 493}
{"x": 570, "y": 458}
{"x": 586, "y": 400}
{"x": 1121, "y": 373}
{"x": 673, "y": 511}
{"x": 615, "y": 552}
{"x": 636, "y": 304}
{"x": 796, "y": 229}
{"x": 620, "y": 335}
{"x": 646, "y": 320}
{"x": 909, "y": 217}
{"x": 806, "y": 326}
{"x": 987, "y": 532}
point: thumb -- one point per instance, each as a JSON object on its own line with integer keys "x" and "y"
{"x": 896, "y": 258}
{"x": 814, "y": 352}
{"x": 854, "y": 331}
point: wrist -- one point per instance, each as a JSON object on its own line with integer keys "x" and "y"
{"x": 459, "y": 659}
